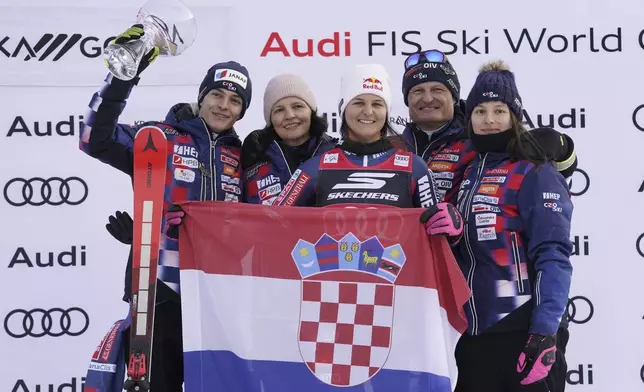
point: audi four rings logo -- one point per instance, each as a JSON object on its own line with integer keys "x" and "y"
{"x": 54, "y": 322}
{"x": 637, "y": 119}
{"x": 579, "y": 182}
{"x": 638, "y": 245}
{"x": 39, "y": 191}
{"x": 580, "y": 310}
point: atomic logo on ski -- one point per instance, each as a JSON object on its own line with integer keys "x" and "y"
{"x": 150, "y": 144}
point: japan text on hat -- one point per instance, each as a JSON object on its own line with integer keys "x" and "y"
{"x": 231, "y": 76}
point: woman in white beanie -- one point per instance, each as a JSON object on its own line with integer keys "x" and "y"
{"x": 293, "y": 134}
{"x": 366, "y": 169}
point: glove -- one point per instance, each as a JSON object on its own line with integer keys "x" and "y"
{"x": 558, "y": 147}
{"x": 173, "y": 218}
{"x": 182, "y": 112}
{"x": 133, "y": 33}
{"x": 120, "y": 226}
{"x": 443, "y": 218}
{"x": 537, "y": 358}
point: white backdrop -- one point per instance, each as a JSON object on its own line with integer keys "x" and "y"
{"x": 600, "y": 80}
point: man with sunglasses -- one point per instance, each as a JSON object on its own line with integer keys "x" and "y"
{"x": 436, "y": 132}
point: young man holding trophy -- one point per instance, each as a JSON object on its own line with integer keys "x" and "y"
{"x": 203, "y": 156}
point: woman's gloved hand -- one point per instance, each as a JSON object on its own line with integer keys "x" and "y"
{"x": 443, "y": 218}
{"x": 537, "y": 358}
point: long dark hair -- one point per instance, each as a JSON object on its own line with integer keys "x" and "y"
{"x": 523, "y": 145}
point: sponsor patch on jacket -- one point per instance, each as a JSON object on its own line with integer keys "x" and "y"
{"x": 497, "y": 171}
{"x": 486, "y": 233}
{"x": 551, "y": 196}
{"x": 440, "y": 175}
{"x": 229, "y": 179}
{"x": 331, "y": 158}
{"x": 486, "y": 219}
{"x": 552, "y": 206}
{"x": 485, "y": 199}
{"x": 227, "y": 151}
{"x": 272, "y": 190}
{"x": 489, "y": 189}
{"x": 252, "y": 171}
{"x": 184, "y": 175}
{"x": 494, "y": 179}
{"x": 443, "y": 184}
{"x": 440, "y": 166}
{"x": 484, "y": 207}
{"x": 231, "y": 188}
{"x": 267, "y": 181}
{"x": 178, "y": 160}
{"x": 446, "y": 157}
{"x": 233, "y": 198}
{"x": 401, "y": 160}
{"x": 186, "y": 150}
{"x": 231, "y": 171}
{"x": 229, "y": 160}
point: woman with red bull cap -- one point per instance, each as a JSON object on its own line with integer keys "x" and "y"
{"x": 366, "y": 151}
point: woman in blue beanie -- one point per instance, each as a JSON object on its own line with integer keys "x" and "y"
{"x": 515, "y": 251}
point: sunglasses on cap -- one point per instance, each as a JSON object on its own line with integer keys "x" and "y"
{"x": 433, "y": 56}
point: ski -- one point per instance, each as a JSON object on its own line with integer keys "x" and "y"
{"x": 150, "y": 155}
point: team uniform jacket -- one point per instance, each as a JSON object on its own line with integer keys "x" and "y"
{"x": 265, "y": 179}
{"x": 447, "y": 154}
{"x": 516, "y": 245}
{"x": 200, "y": 165}
{"x": 394, "y": 178}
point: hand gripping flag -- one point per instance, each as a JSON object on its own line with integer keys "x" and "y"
{"x": 317, "y": 299}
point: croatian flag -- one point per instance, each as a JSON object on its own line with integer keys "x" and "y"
{"x": 316, "y": 299}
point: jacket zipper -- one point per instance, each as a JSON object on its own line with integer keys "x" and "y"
{"x": 468, "y": 244}
{"x": 290, "y": 173}
{"x": 517, "y": 261}
{"x": 211, "y": 145}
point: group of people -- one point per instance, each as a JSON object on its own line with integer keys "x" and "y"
{"x": 496, "y": 191}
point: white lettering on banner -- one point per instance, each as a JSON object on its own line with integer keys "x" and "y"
{"x": 231, "y": 75}
{"x": 365, "y": 180}
{"x": 425, "y": 190}
{"x": 182, "y": 149}
{"x": 485, "y": 199}
{"x": 485, "y": 219}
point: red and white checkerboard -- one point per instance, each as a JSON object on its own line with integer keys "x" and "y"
{"x": 345, "y": 329}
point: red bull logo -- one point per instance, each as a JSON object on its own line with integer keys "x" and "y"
{"x": 372, "y": 84}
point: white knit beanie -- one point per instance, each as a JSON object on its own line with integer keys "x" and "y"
{"x": 286, "y": 85}
{"x": 365, "y": 79}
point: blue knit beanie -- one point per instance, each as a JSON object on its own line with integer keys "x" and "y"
{"x": 495, "y": 82}
{"x": 231, "y": 76}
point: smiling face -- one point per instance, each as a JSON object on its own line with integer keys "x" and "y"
{"x": 291, "y": 118}
{"x": 220, "y": 109}
{"x": 491, "y": 117}
{"x": 365, "y": 116}
{"x": 430, "y": 105}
